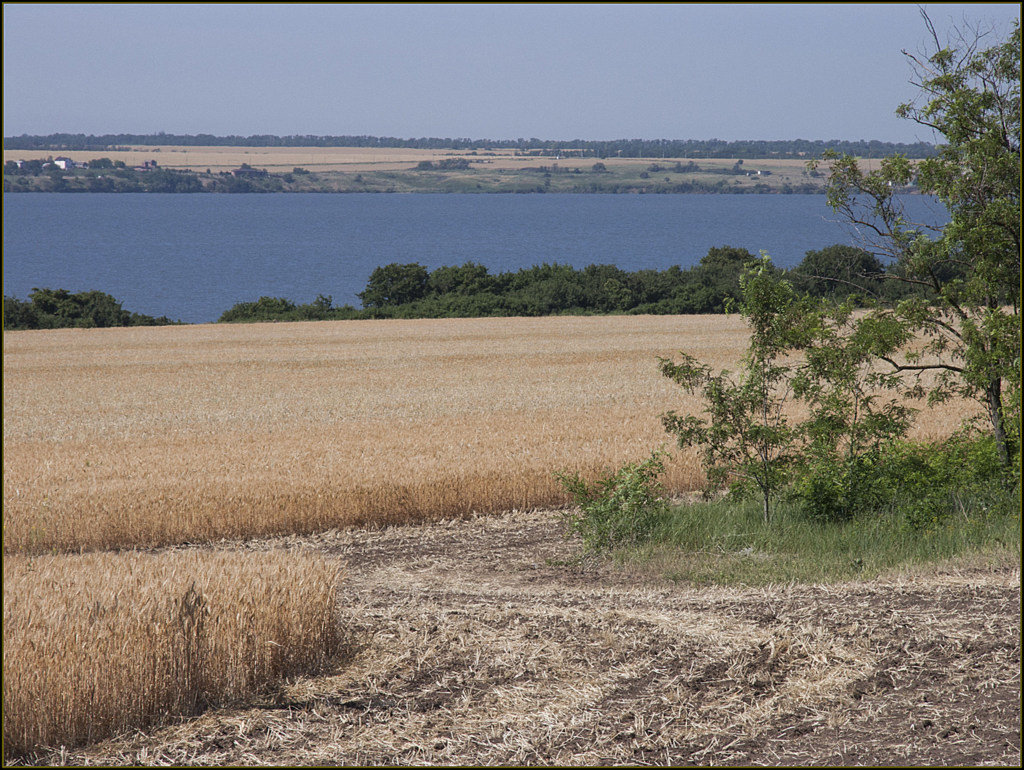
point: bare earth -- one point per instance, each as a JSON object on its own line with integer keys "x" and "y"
{"x": 485, "y": 642}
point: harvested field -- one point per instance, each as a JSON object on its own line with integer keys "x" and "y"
{"x": 476, "y": 648}
{"x": 141, "y": 437}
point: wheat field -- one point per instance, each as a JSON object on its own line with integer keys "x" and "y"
{"x": 141, "y": 437}
{"x": 99, "y": 643}
{"x": 138, "y": 438}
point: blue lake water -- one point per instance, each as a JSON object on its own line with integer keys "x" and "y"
{"x": 191, "y": 257}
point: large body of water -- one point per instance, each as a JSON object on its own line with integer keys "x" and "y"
{"x": 191, "y": 257}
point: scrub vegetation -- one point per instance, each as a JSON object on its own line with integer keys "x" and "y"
{"x": 469, "y": 290}
{"x": 61, "y": 309}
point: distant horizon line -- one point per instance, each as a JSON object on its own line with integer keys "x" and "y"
{"x": 601, "y": 148}
{"x": 460, "y": 139}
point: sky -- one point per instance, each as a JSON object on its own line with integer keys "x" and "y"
{"x": 489, "y": 71}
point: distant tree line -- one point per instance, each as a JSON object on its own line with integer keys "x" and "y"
{"x": 624, "y": 148}
{"x": 114, "y": 176}
{"x": 101, "y": 175}
{"x": 470, "y": 290}
{"x": 60, "y": 309}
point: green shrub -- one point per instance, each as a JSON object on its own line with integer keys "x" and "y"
{"x": 61, "y": 309}
{"x": 622, "y": 508}
{"x": 835, "y": 491}
{"x": 923, "y": 483}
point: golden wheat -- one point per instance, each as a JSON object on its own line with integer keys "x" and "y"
{"x": 98, "y": 643}
{"x": 150, "y": 436}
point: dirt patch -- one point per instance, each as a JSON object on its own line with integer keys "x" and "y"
{"x": 482, "y": 642}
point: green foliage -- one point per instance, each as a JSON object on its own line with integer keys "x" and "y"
{"x": 395, "y": 284}
{"x": 447, "y": 164}
{"x": 59, "y": 309}
{"x": 961, "y": 476}
{"x": 19, "y": 314}
{"x": 621, "y": 508}
{"x": 164, "y": 180}
{"x": 469, "y": 290}
{"x": 727, "y": 543}
{"x": 967, "y": 277}
{"x": 263, "y": 309}
{"x": 467, "y": 280}
{"x": 849, "y": 421}
{"x": 746, "y": 436}
{"x": 836, "y": 489}
{"x": 278, "y": 309}
{"x": 839, "y": 272}
{"x": 922, "y": 485}
{"x": 102, "y": 175}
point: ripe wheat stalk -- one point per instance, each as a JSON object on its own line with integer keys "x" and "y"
{"x": 98, "y": 643}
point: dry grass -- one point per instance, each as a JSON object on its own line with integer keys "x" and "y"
{"x": 151, "y": 436}
{"x": 99, "y": 643}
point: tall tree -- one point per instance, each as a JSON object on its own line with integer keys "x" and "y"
{"x": 969, "y": 269}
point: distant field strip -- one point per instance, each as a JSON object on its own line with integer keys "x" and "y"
{"x": 151, "y": 436}
{"x": 355, "y": 159}
{"x": 276, "y": 159}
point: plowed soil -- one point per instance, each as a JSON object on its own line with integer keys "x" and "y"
{"x": 488, "y": 642}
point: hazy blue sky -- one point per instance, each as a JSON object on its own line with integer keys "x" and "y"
{"x": 601, "y": 71}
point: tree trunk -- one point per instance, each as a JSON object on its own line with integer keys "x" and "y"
{"x": 995, "y": 413}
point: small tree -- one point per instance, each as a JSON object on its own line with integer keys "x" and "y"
{"x": 838, "y": 271}
{"x": 746, "y": 435}
{"x": 850, "y": 422}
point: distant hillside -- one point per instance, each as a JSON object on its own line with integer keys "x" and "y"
{"x": 624, "y": 148}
